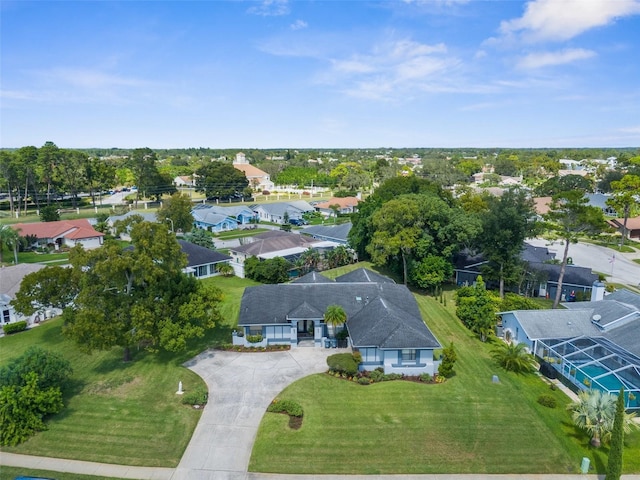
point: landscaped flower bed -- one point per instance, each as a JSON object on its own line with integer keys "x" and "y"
{"x": 241, "y": 348}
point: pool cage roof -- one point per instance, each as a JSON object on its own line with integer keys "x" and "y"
{"x": 607, "y": 366}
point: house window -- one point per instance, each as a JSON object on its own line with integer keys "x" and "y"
{"x": 5, "y": 316}
{"x": 255, "y": 330}
{"x": 202, "y": 270}
{"x": 408, "y": 355}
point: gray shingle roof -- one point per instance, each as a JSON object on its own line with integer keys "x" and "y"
{"x": 11, "y": 277}
{"x": 334, "y": 232}
{"x": 363, "y": 275}
{"x": 379, "y": 314}
{"x": 197, "y": 255}
{"x": 274, "y": 241}
{"x": 557, "y": 323}
{"x": 313, "y": 277}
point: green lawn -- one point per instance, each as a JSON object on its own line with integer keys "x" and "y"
{"x": 467, "y": 425}
{"x": 123, "y": 413}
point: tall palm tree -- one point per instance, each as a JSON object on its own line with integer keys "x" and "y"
{"x": 11, "y": 238}
{"x": 595, "y": 411}
{"x": 514, "y": 358}
{"x": 334, "y": 316}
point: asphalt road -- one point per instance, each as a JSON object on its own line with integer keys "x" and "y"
{"x": 619, "y": 268}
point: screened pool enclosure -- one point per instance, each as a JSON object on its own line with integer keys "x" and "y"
{"x": 589, "y": 362}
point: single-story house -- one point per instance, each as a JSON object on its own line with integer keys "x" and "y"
{"x": 274, "y": 243}
{"x": 275, "y": 212}
{"x": 207, "y": 219}
{"x": 62, "y": 233}
{"x": 183, "y": 181}
{"x": 593, "y": 344}
{"x": 383, "y": 320}
{"x": 333, "y": 233}
{"x": 241, "y": 214}
{"x": 544, "y": 275}
{"x": 344, "y": 205}
{"x": 10, "y": 280}
{"x": 633, "y": 226}
{"x": 202, "y": 262}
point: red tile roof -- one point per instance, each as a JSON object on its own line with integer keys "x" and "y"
{"x": 71, "y": 229}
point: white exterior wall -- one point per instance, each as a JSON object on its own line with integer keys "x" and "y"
{"x": 87, "y": 243}
{"x": 423, "y": 364}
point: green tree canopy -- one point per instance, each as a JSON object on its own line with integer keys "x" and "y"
{"x": 137, "y": 296}
{"x": 221, "y": 181}
{"x": 176, "y": 211}
{"x": 476, "y": 308}
{"x": 513, "y": 357}
{"x": 569, "y": 218}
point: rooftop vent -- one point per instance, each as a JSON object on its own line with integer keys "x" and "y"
{"x": 596, "y": 318}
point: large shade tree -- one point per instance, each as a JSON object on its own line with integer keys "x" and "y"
{"x": 509, "y": 220}
{"x": 221, "y": 181}
{"x": 133, "y": 297}
{"x": 569, "y": 219}
{"x": 176, "y": 211}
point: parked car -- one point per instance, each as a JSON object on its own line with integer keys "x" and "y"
{"x": 298, "y": 222}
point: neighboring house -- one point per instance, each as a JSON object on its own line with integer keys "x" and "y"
{"x": 183, "y": 181}
{"x": 10, "y": 280}
{"x": 542, "y": 205}
{"x": 258, "y": 179}
{"x": 208, "y": 219}
{"x": 593, "y": 344}
{"x": 633, "y": 226}
{"x": 67, "y": 233}
{"x": 275, "y": 243}
{"x": 344, "y": 205}
{"x": 202, "y": 262}
{"x": 275, "y": 212}
{"x": 333, "y": 233}
{"x": 383, "y": 320}
{"x": 241, "y": 214}
{"x": 599, "y": 200}
{"x": 543, "y": 277}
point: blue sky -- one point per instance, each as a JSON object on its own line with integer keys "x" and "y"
{"x": 312, "y": 74}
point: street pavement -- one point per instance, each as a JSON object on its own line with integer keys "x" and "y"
{"x": 618, "y": 267}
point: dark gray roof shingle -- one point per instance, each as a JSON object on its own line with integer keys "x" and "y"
{"x": 197, "y": 255}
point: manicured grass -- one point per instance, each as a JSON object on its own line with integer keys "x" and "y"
{"x": 9, "y": 473}
{"x": 124, "y": 413}
{"x": 48, "y": 258}
{"x": 239, "y": 233}
{"x": 466, "y": 425}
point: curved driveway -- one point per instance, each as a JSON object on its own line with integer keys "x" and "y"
{"x": 241, "y": 386}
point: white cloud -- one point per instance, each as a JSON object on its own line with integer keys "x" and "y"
{"x": 633, "y": 130}
{"x": 553, "y": 20}
{"x": 270, "y": 8}
{"x": 392, "y": 70}
{"x": 299, "y": 25}
{"x": 91, "y": 79}
{"x": 545, "y": 59}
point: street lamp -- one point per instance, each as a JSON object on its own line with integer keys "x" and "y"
{"x": 169, "y": 220}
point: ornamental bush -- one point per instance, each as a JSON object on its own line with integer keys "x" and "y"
{"x": 197, "y": 397}
{"x": 291, "y": 408}
{"x": 547, "y": 401}
{"x": 342, "y": 363}
{"x": 15, "y": 327}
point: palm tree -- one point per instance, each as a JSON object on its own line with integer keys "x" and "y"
{"x": 10, "y": 238}
{"x": 513, "y": 358}
{"x": 594, "y": 412}
{"x": 334, "y": 316}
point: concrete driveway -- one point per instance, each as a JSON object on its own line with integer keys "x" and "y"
{"x": 241, "y": 386}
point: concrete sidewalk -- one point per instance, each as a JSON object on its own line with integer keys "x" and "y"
{"x": 85, "y": 468}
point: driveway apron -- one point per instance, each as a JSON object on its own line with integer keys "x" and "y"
{"x": 241, "y": 386}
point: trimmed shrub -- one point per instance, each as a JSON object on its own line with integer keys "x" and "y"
{"x": 364, "y": 381}
{"x": 291, "y": 408}
{"x": 357, "y": 357}
{"x": 10, "y": 328}
{"x": 547, "y": 401}
{"x": 392, "y": 376}
{"x": 425, "y": 377}
{"x": 376, "y": 375}
{"x": 343, "y": 363}
{"x": 254, "y": 338}
{"x": 197, "y": 397}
